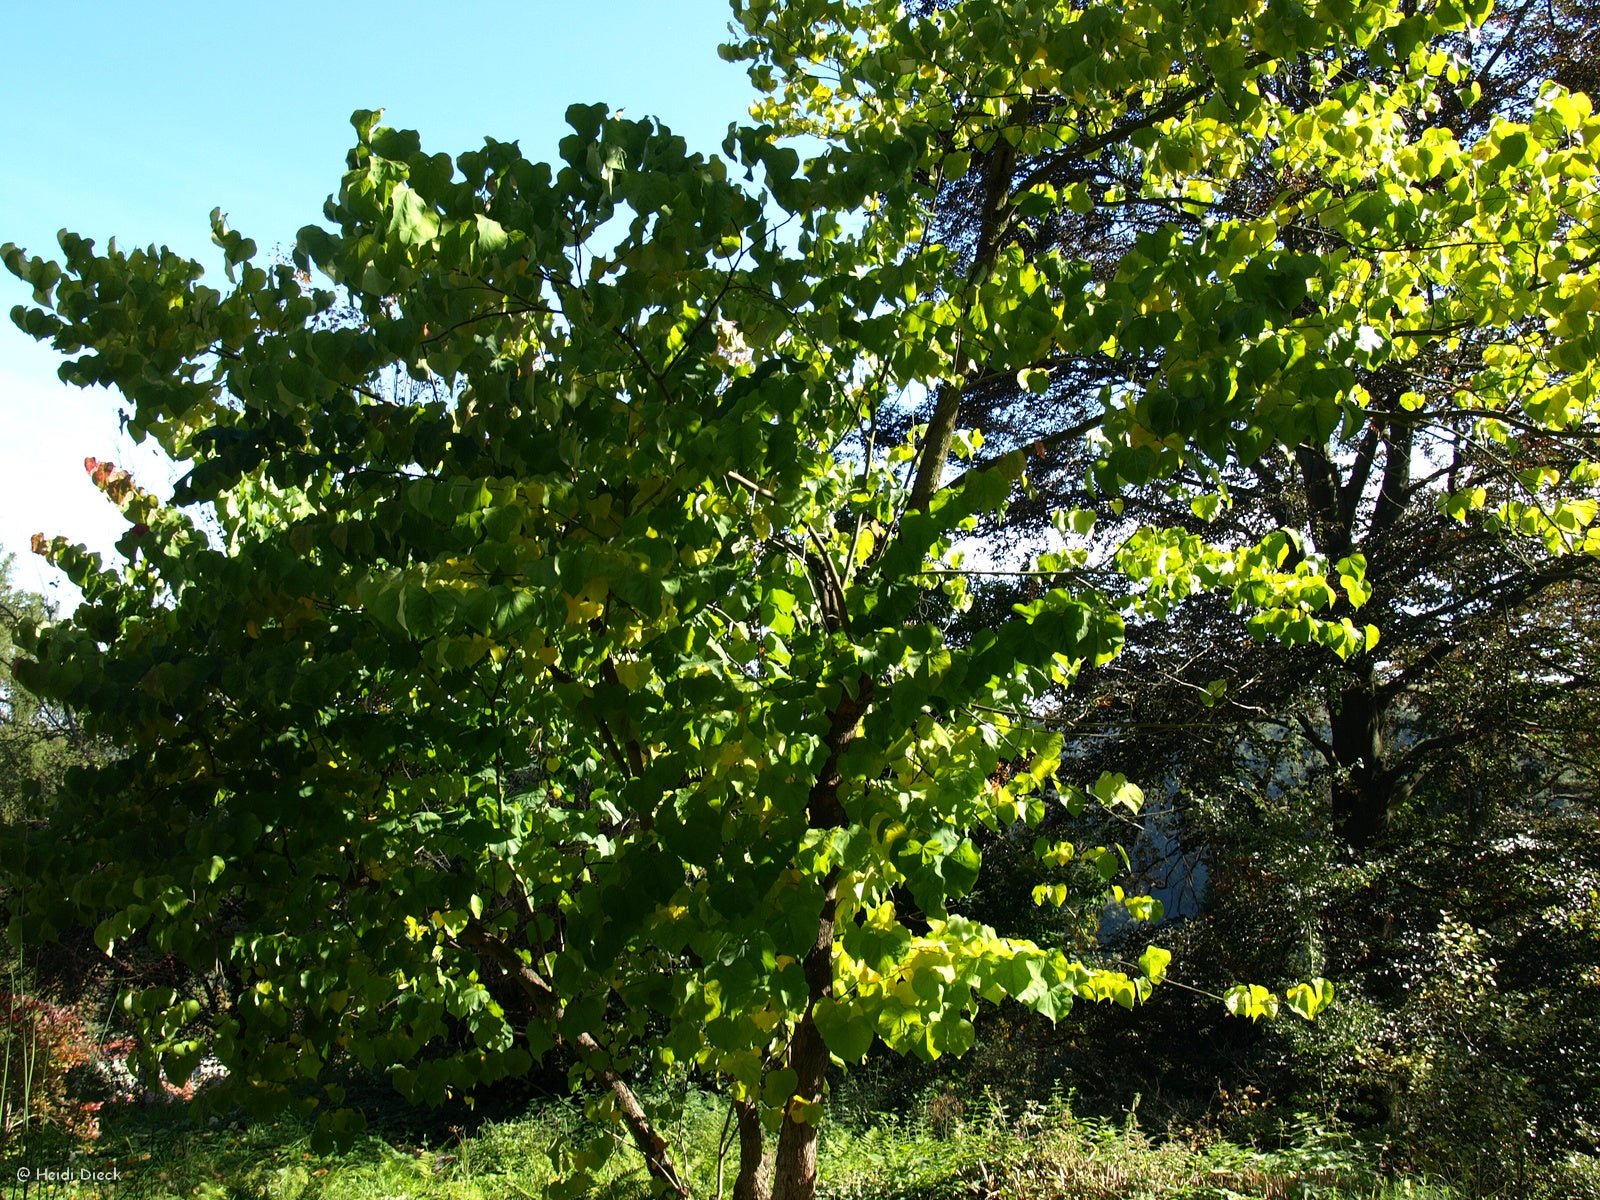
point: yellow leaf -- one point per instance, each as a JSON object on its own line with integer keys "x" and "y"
{"x": 864, "y": 546}
{"x": 581, "y": 611}
{"x": 633, "y": 675}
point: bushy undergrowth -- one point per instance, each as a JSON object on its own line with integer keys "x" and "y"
{"x": 948, "y": 1148}
{"x": 41, "y": 1044}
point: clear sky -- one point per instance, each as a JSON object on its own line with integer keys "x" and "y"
{"x": 136, "y": 120}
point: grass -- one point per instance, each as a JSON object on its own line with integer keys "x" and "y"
{"x": 1045, "y": 1152}
{"x": 943, "y": 1150}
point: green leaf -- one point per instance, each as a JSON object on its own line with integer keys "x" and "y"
{"x": 491, "y": 235}
{"x": 1034, "y": 380}
{"x": 1143, "y": 908}
{"x": 414, "y": 222}
{"x": 1114, "y": 790}
{"x": 1153, "y": 962}
{"x": 847, "y": 1030}
{"x": 779, "y": 1086}
{"x": 1250, "y": 1000}
{"x": 1310, "y": 998}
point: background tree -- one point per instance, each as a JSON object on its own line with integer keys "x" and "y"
{"x": 37, "y": 743}
{"x": 1396, "y": 486}
{"x": 40, "y": 1040}
{"x": 1316, "y": 791}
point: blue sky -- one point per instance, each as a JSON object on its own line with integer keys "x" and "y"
{"x": 134, "y": 121}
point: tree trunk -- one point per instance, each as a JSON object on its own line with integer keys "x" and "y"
{"x": 754, "y": 1181}
{"x": 546, "y": 1005}
{"x": 650, "y": 1144}
{"x": 1361, "y": 792}
{"x": 998, "y": 168}
{"x": 936, "y": 446}
{"x": 795, "y": 1168}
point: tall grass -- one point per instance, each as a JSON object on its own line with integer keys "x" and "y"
{"x": 19, "y": 1057}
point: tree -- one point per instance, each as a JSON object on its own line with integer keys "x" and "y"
{"x": 37, "y": 743}
{"x": 1411, "y": 481}
{"x": 39, "y": 1041}
{"x": 602, "y": 697}
{"x": 563, "y": 696}
{"x": 1462, "y": 409}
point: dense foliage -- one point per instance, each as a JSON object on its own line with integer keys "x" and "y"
{"x": 1349, "y": 817}
{"x": 565, "y": 656}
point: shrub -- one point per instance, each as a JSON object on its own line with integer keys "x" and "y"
{"x": 40, "y": 1044}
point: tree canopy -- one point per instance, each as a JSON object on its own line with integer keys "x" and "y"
{"x": 1417, "y": 486}
{"x": 561, "y": 656}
